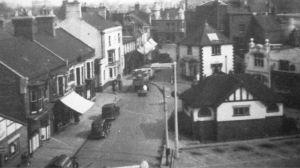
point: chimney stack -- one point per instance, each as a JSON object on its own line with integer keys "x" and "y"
{"x": 72, "y": 9}
{"x": 102, "y": 11}
{"x": 23, "y": 24}
{"x": 45, "y": 22}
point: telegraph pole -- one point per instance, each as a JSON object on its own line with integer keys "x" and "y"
{"x": 176, "y": 112}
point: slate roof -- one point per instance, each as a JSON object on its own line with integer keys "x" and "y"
{"x": 65, "y": 45}
{"x": 213, "y": 90}
{"x": 27, "y": 57}
{"x": 268, "y": 22}
{"x": 98, "y": 21}
{"x": 201, "y": 37}
{"x": 140, "y": 16}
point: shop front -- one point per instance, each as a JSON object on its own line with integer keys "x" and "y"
{"x": 39, "y": 130}
{"x": 68, "y": 109}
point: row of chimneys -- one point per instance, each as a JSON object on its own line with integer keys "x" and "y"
{"x": 24, "y": 23}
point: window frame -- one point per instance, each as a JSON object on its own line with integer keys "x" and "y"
{"x": 111, "y": 56}
{"x": 242, "y": 111}
{"x": 259, "y": 60}
{"x": 38, "y": 102}
{"x": 16, "y": 143}
{"x": 216, "y": 50}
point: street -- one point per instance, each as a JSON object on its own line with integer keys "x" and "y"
{"x": 136, "y": 135}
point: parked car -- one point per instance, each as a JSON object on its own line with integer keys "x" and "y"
{"x": 110, "y": 111}
{"x": 100, "y": 128}
{"x": 62, "y": 161}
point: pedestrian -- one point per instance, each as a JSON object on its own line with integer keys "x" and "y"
{"x": 113, "y": 85}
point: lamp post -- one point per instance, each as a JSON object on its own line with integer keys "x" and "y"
{"x": 176, "y": 111}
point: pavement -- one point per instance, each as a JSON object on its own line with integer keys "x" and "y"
{"x": 70, "y": 140}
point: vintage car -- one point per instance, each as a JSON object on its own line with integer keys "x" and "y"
{"x": 100, "y": 128}
{"x": 62, "y": 161}
{"x": 110, "y": 111}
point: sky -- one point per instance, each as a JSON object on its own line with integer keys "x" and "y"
{"x": 59, "y": 2}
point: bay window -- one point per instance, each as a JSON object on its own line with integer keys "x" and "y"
{"x": 36, "y": 100}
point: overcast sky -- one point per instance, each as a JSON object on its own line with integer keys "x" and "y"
{"x": 59, "y": 2}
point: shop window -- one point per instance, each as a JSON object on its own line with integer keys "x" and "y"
{"x": 204, "y": 112}
{"x": 258, "y": 59}
{"x": 13, "y": 147}
{"x": 216, "y": 50}
{"x": 241, "y": 111}
{"x": 273, "y": 108}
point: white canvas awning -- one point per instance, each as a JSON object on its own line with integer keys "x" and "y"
{"x": 153, "y": 42}
{"x": 77, "y": 102}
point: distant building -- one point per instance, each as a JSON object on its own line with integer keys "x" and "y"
{"x": 231, "y": 107}
{"x": 206, "y": 52}
{"x": 168, "y": 25}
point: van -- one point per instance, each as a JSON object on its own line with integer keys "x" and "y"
{"x": 110, "y": 111}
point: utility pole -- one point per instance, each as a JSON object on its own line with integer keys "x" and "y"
{"x": 176, "y": 112}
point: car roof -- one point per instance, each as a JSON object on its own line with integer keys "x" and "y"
{"x": 59, "y": 160}
{"x": 108, "y": 105}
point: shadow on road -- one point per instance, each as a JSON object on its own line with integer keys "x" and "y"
{"x": 153, "y": 130}
{"x": 83, "y": 134}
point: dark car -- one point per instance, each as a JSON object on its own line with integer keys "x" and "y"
{"x": 62, "y": 161}
{"x": 100, "y": 128}
{"x": 110, "y": 111}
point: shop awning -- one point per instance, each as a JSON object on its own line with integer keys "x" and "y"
{"x": 148, "y": 46}
{"x": 153, "y": 42}
{"x": 77, "y": 102}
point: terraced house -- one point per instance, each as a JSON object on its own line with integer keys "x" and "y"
{"x": 43, "y": 67}
{"x": 91, "y": 26}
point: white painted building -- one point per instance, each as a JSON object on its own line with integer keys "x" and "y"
{"x": 205, "y": 53}
{"x": 102, "y": 35}
{"x": 226, "y": 107}
{"x": 264, "y": 58}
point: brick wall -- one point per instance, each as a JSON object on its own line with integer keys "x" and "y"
{"x": 204, "y": 130}
{"x": 246, "y": 129}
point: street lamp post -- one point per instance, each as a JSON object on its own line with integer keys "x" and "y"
{"x": 176, "y": 111}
